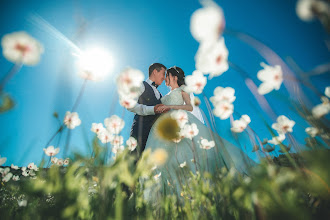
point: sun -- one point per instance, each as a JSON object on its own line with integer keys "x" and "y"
{"x": 95, "y": 63}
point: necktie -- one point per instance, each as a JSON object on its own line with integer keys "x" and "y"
{"x": 154, "y": 84}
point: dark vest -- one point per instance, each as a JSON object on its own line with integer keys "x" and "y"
{"x": 142, "y": 124}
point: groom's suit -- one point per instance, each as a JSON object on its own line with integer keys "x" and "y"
{"x": 145, "y": 118}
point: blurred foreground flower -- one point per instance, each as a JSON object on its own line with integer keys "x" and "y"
{"x": 14, "y": 167}
{"x": 321, "y": 109}
{"x": 283, "y": 124}
{"x": 159, "y": 157}
{"x": 7, "y": 177}
{"x": 183, "y": 164}
{"x": 205, "y": 144}
{"x": 105, "y": 136}
{"x": 207, "y": 24}
{"x": 307, "y": 10}
{"x": 238, "y": 126}
{"x": 2, "y": 160}
{"x": 223, "y": 94}
{"x": 20, "y": 47}
{"x": 190, "y": 131}
{"x": 22, "y": 203}
{"x": 327, "y": 91}
{"x": 114, "y": 124}
{"x": 195, "y": 83}
{"x": 167, "y": 128}
{"x": 181, "y": 116}
{"x": 51, "y": 151}
{"x": 97, "y": 127}
{"x": 223, "y": 110}
{"x": 131, "y": 143}
{"x": 212, "y": 58}
{"x": 277, "y": 140}
{"x": 271, "y": 77}
{"x": 32, "y": 166}
{"x": 71, "y": 120}
{"x": 312, "y": 131}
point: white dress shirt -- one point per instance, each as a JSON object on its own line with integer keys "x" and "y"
{"x": 141, "y": 109}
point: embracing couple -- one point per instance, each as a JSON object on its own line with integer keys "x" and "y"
{"x": 199, "y": 148}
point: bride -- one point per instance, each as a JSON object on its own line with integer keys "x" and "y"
{"x": 198, "y": 148}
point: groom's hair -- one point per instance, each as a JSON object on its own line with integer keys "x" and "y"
{"x": 157, "y": 66}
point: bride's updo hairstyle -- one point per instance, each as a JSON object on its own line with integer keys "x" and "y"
{"x": 178, "y": 72}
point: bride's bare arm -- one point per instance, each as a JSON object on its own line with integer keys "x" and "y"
{"x": 187, "y": 106}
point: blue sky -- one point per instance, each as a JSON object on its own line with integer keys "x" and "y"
{"x": 139, "y": 33}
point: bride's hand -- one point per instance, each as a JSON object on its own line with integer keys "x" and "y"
{"x": 164, "y": 108}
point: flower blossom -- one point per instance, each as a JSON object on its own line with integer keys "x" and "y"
{"x": 20, "y": 47}
{"x": 15, "y": 178}
{"x": 239, "y": 126}
{"x": 207, "y": 23}
{"x": 212, "y": 58}
{"x": 117, "y": 141}
{"x": 71, "y": 120}
{"x": 283, "y": 124}
{"x": 54, "y": 160}
{"x": 117, "y": 149}
{"x": 2, "y": 160}
{"x": 60, "y": 162}
{"x": 105, "y": 136}
{"x": 271, "y": 77}
{"x": 131, "y": 143}
{"x": 312, "y": 131}
{"x": 127, "y": 101}
{"x": 157, "y": 176}
{"x": 14, "y": 167}
{"x": 321, "y": 109}
{"x": 66, "y": 161}
{"x": 223, "y": 94}
{"x": 205, "y": 144}
{"x": 22, "y": 203}
{"x": 327, "y": 91}
{"x": 308, "y": 9}
{"x": 114, "y": 124}
{"x": 4, "y": 171}
{"x": 180, "y": 116}
{"x": 277, "y": 140}
{"x": 190, "y": 131}
{"x": 51, "y": 151}
{"x": 183, "y": 164}
{"x": 7, "y": 177}
{"x": 223, "y": 110}
{"x": 96, "y": 128}
{"x": 195, "y": 83}
{"x": 32, "y": 166}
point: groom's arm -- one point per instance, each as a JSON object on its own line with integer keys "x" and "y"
{"x": 141, "y": 109}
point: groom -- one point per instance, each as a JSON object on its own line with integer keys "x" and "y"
{"x": 147, "y": 108}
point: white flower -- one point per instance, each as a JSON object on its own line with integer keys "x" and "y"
{"x": 312, "y": 131}
{"x": 277, "y": 140}
{"x": 4, "y": 171}
{"x": 105, "y": 136}
{"x": 66, "y": 161}
{"x": 183, "y": 164}
{"x": 212, "y": 58}
{"x": 180, "y": 116}
{"x": 205, "y": 144}
{"x": 26, "y": 173}
{"x": 60, "y": 162}
{"x": 271, "y": 77}
{"x": 129, "y": 80}
{"x": 14, "y": 167}
{"x": 32, "y": 166}
{"x": 15, "y": 178}
{"x": 114, "y": 124}
{"x": 2, "y": 160}
{"x": 54, "y": 160}
{"x": 304, "y": 9}
{"x": 207, "y": 24}
{"x": 22, "y": 203}
{"x": 96, "y": 128}
{"x": 157, "y": 176}
{"x": 131, "y": 143}
{"x": 223, "y": 110}
{"x": 117, "y": 141}
{"x": 321, "y": 109}
{"x": 23, "y": 168}
{"x": 223, "y": 94}
{"x": 238, "y": 126}
{"x": 117, "y": 149}
{"x": 32, "y": 173}
{"x": 195, "y": 83}
{"x": 190, "y": 131}
{"x": 71, "y": 120}
{"x": 7, "y": 177}
{"x": 51, "y": 151}
{"x": 127, "y": 101}
{"x": 20, "y": 47}
{"x": 283, "y": 124}
{"x": 327, "y": 91}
